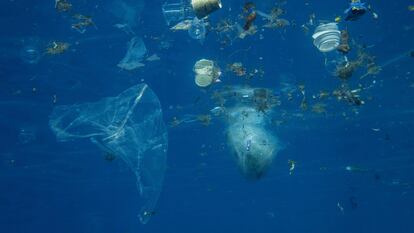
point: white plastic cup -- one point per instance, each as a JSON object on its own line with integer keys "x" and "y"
{"x": 327, "y": 37}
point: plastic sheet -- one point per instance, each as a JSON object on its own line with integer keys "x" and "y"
{"x": 249, "y": 135}
{"x": 130, "y": 126}
{"x": 254, "y": 145}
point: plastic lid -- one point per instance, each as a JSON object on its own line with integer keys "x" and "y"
{"x": 204, "y": 66}
{"x": 203, "y": 80}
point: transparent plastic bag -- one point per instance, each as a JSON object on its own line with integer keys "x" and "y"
{"x": 130, "y": 126}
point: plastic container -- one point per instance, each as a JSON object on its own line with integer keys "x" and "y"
{"x": 206, "y": 72}
{"x": 203, "y": 80}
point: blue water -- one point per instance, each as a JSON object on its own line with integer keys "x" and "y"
{"x": 49, "y": 186}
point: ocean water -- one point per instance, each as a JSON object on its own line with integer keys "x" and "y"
{"x": 343, "y": 150}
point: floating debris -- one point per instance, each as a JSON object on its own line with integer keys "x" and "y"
{"x": 54, "y": 99}
{"x": 175, "y": 122}
{"x": 206, "y": 72}
{"x": 273, "y": 18}
{"x": 367, "y": 60}
{"x": 319, "y": 108}
{"x": 227, "y": 32}
{"x": 218, "y": 111}
{"x": 63, "y": 5}
{"x": 305, "y": 29}
{"x": 356, "y": 169}
{"x": 125, "y": 27}
{"x": 372, "y": 69}
{"x": 278, "y": 23}
{"x": 323, "y": 94}
{"x": 351, "y": 96}
{"x": 249, "y": 15}
{"x": 237, "y": 68}
{"x": 153, "y": 57}
{"x": 204, "y": 119}
{"x": 251, "y": 31}
{"x": 338, "y": 19}
{"x": 304, "y": 103}
{"x": 340, "y": 207}
{"x": 292, "y": 166}
{"x": 182, "y": 26}
{"x": 109, "y": 157}
{"x": 264, "y": 100}
{"x": 134, "y": 55}
{"x": 312, "y": 19}
{"x": 82, "y": 22}
{"x": 248, "y": 6}
{"x": 57, "y": 47}
{"x": 344, "y": 46}
{"x": 345, "y": 70}
{"x": 249, "y": 20}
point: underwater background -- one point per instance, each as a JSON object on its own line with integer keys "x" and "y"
{"x": 342, "y": 166}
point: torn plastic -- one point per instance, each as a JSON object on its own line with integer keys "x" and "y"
{"x": 134, "y": 55}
